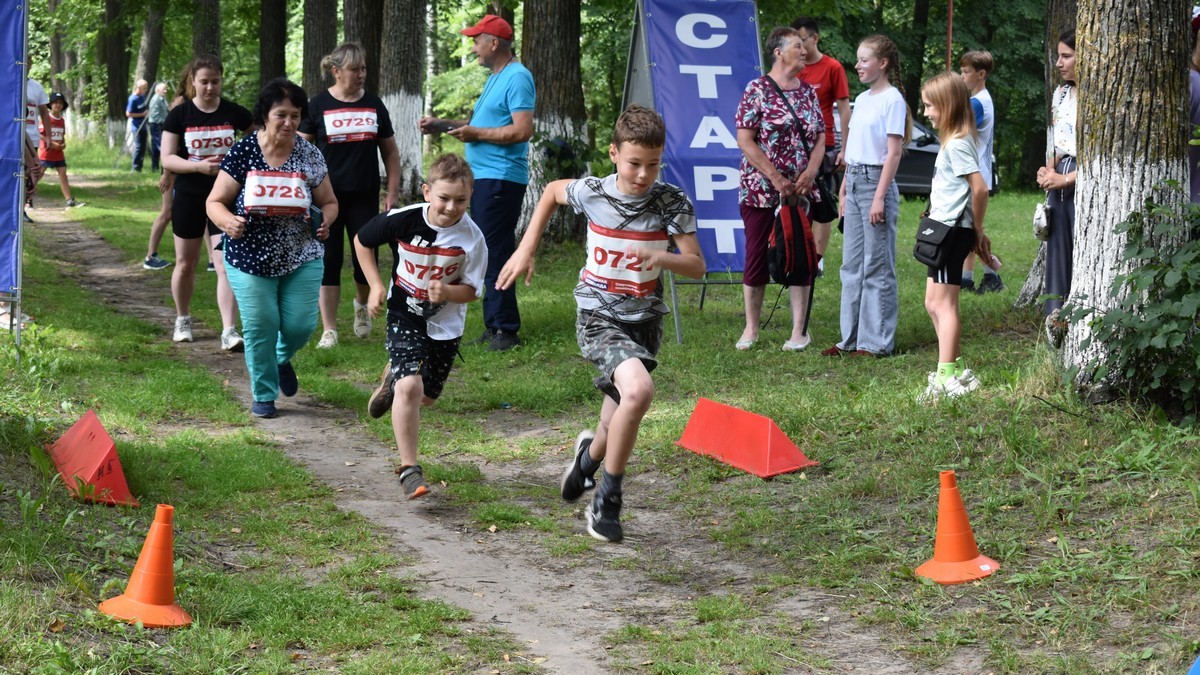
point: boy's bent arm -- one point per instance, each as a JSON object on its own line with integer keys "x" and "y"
{"x": 521, "y": 262}
{"x": 689, "y": 261}
{"x": 457, "y": 293}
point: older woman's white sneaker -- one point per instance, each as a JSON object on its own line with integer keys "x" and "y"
{"x": 329, "y": 339}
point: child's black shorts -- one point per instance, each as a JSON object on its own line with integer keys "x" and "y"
{"x": 962, "y": 244}
{"x": 413, "y": 352}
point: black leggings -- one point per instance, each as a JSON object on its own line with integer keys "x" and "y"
{"x": 354, "y": 210}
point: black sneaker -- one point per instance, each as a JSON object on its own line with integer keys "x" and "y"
{"x": 485, "y": 338}
{"x": 604, "y": 518}
{"x": 574, "y": 481}
{"x": 991, "y": 284}
{"x": 288, "y": 384}
{"x": 381, "y": 399}
{"x": 503, "y": 341}
{"x": 968, "y": 286}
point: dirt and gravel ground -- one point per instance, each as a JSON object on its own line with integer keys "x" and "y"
{"x": 560, "y": 607}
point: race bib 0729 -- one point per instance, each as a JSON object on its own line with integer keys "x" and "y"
{"x": 276, "y": 193}
{"x": 419, "y": 265}
{"x": 346, "y": 125}
{"x": 204, "y": 143}
{"x": 610, "y": 268}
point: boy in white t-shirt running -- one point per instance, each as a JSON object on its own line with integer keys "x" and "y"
{"x": 631, "y": 221}
{"x": 441, "y": 259}
{"x": 975, "y": 67}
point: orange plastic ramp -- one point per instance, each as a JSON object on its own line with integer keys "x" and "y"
{"x": 750, "y": 442}
{"x": 87, "y": 455}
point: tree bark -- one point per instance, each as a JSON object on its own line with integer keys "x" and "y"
{"x": 551, "y": 34}
{"x": 912, "y": 68}
{"x": 1132, "y": 136}
{"x": 151, "y": 45}
{"x": 116, "y": 60}
{"x": 1060, "y": 16}
{"x": 206, "y": 27}
{"x": 272, "y": 37}
{"x": 401, "y": 81}
{"x": 58, "y": 60}
{"x": 320, "y": 38}
{"x": 364, "y": 25}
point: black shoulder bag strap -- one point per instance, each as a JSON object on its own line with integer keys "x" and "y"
{"x": 799, "y": 124}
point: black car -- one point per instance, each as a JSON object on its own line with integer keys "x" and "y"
{"x": 915, "y": 173}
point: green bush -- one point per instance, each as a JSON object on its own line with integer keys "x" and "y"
{"x": 1152, "y": 333}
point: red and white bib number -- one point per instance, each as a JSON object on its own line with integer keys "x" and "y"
{"x": 346, "y": 125}
{"x": 419, "y": 265}
{"x": 609, "y": 268}
{"x": 57, "y": 134}
{"x": 204, "y": 143}
{"x": 276, "y": 193}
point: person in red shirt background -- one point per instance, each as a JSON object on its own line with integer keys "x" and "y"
{"x": 54, "y": 141}
{"x": 828, "y": 77}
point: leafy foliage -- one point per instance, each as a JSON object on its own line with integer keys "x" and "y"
{"x": 1151, "y": 334}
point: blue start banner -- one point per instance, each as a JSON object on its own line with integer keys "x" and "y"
{"x": 701, "y": 55}
{"x": 12, "y": 139}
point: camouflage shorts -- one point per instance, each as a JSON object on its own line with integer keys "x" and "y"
{"x": 412, "y": 352}
{"x": 608, "y": 343}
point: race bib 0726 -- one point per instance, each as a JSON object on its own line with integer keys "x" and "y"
{"x": 419, "y": 265}
{"x": 204, "y": 143}
{"x": 346, "y": 125}
{"x": 276, "y": 193}
{"x": 611, "y": 269}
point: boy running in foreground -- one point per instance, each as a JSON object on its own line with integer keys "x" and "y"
{"x": 619, "y": 323}
{"x": 440, "y": 266}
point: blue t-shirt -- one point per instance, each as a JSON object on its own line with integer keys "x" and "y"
{"x": 508, "y": 91}
{"x": 137, "y": 104}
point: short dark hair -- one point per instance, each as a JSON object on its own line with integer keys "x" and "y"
{"x": 808, "y": 23}
{"x": 275, "y": 92}
{"x": 776, "y": 39}
{"x": 641, "y": 126}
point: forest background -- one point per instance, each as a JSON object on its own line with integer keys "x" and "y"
{"x": 577, "y": 51}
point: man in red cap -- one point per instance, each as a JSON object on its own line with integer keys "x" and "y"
{"x": 497, "y": 142}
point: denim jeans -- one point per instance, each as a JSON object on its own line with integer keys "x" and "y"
{"x": 279, "y": 315}
{"x": 870, "y": 294}
{"x": 141, "y": 136}
{"x": 155, "y": 144}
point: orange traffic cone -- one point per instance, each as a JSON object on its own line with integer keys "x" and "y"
{"x": 956, "y": 557}
{"x": 150, "y": 595}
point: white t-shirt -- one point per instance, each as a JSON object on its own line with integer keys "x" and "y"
{"x": 987, "y": 131}
{"x": 950, "y": 193}
{"x": 875, "y": 117}
{"x": 35, "y": 96}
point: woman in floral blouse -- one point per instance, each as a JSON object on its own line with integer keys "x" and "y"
{"x": 779, "y": 126}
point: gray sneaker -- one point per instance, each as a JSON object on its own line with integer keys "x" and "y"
{"x": 155, "y": 263}
{"x": 183, "y": 329}
{"x": 574, "y": 481}
{"x": 231, "y": 341}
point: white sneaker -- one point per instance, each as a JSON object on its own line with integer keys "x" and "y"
{"x": 362, "y": 320}
{"x": 960, "y": 385}
{"x": 183, "y": 328}
{"x": 328, "y": 340}
{"x": 231, "y": 341}
{"x": 932, "y": 392}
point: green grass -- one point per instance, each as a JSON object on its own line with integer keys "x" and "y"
{"x": 1091, "y": 511}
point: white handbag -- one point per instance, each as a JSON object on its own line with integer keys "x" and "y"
{"x": 1041, "y": 221}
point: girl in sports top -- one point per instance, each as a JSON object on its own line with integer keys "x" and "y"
{"x": 198, "y": 133}
{"x": 958, "y": 196}
{"x": 880, "y": 126}
{"x": 352, "y": 128}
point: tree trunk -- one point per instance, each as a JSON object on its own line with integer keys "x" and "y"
{"x": 499, "y": 9}
{"x": 364, "y": 25}
{"x": 1132, "y": 136}
{"x": 272, "y": 36}
{"x": 431, "y": 66}
{"x": 116, "y": 59}
{"x": 401, "y": 81}
{"x": 58, "y": 60}
{"x": 1060, "y": 16}
{"x": 913, "y": 67}
{"x": 206, "y": 27}
{"x": 558, "y": 148}
{"x": 320, "y": 38}
{"x": 151, "y": 44}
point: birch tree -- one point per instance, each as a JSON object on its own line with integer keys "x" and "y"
{"x": 1133, "y": 131}
{"x": 115, "y": 42}
{"x": 401, "y": 81}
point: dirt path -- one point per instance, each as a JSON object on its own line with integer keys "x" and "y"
{"x": 558, "y": 607}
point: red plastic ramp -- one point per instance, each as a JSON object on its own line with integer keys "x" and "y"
{"x": 750, "y": 442}
{"x": 87, "y": 455}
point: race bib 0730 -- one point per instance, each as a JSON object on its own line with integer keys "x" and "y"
{"x": 346, "y": 125}
{"x": 419, "y": 265}
{"x": 204, "y": 143}
{"x": 610, "y": 268}
{"x": 276, "y": 193}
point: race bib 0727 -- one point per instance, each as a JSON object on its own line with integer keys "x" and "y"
{"x": 346, "y": 125}
{"x": 204, "y": 143}
{"x": 419, "y": 265}
{"x": 276, "y": 193}
{"x": 611, "y": 269}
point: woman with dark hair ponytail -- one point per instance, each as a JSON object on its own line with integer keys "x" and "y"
{"x": 1058, "y": 179}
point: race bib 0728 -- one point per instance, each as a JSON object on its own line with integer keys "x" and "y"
{"x": 346, "y": 125}
{"x": 611, "y": 269}
{"x": 276, "y": 193}
{"x": 419, "y": 265}
{"x": 204, "y": 143}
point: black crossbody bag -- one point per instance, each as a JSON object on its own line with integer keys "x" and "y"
{"x": 824, "y": 211}
{"x": 933, "y": 239}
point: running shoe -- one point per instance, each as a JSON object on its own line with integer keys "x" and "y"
{"x": 503, "y": 341}
{"x": 412, "y": 482}
{"x": 288, "y": 384}
{"x": 362, "y": 320}
{"x": 231, "y": 341}
{"x": 183, "y": 329}
{"x": 992, "y": 283}
{"x": 604, "y": 518}
{"x": 329, "y": 339}
{"x": 72, "y": 202}
{"x": 381, "y": 399}
{"x": 155, "y": 263}
{"x": 211, "y": 267}
{"x": 264, "y": 409}
{"x": 574, "y": 481}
